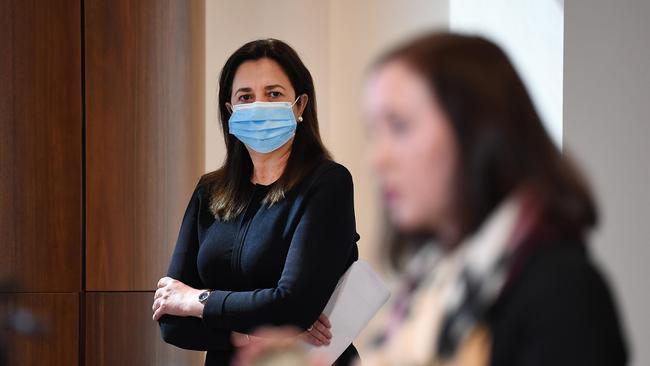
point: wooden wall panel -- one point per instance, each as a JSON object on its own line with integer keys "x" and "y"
{"x": 120, "y": 331}
{"x": 145, "y": 122}
{"x": 143, "y": 152}
{"x": 59, "y": 315}
{"x": 40, "y": 144}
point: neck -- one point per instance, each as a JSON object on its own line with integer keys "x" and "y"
{"x": 268, "y": 167}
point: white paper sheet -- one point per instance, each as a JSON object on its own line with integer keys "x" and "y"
{"x": 358, "y": 296}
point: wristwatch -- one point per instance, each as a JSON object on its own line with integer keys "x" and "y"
{"x": 203, "y": 296}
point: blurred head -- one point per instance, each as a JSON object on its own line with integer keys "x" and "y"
{"x": 266, "y": 70}
{"x": 413, "y": 148}
{"x": 453, "y": 132}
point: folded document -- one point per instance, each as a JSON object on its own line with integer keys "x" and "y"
{"x": 358, "y": 296}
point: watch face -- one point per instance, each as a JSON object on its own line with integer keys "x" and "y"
{"x": 204, "y": 296}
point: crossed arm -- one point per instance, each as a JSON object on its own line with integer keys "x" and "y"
{"x": 318, "y": 254}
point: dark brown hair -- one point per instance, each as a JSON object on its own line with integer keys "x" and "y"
{"x": 229, "y": 185}
{"x": 502, "y": 143}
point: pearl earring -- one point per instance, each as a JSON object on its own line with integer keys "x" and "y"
{"x": 300, "y": 118}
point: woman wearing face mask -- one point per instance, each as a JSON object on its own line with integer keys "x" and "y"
{"x": 491, "y": 219}
{"x": 265, "y": 238}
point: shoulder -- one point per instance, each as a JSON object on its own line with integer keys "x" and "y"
{"x": 554, "y": 275}
{"x": 206, "y": 182}
{"x": 560, "y": 298}
{"x": 564, "y": 271}
{"x": 571, "y": 290}
{"x": 329, "y": 175}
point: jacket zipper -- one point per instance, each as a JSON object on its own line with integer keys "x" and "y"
{"x": 235, "y": 264}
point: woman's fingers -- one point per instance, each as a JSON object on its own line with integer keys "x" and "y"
{"x": 322, "y": 329}
{"x": 156, "y": 304}
{"x": 325, "y": 320}
{"x": 240, "y": 339}
{"x": 159, "y": 293}
{"x": 272, "y": 340}
{"x": 159, "y": 309}
{"x": 163, "y": 281}
{"x": 309, "y": 338}
{"x": 319, "y": 334}
{"x": 314, "y": 340}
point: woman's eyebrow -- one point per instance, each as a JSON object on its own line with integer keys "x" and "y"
{"x": 268, "y": 87}
{"x": 244, "y": 90}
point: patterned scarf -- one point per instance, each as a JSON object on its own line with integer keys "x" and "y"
{"x": 444, "y": 296}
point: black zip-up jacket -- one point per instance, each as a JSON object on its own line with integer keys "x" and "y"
{"x": 274, "y": 265}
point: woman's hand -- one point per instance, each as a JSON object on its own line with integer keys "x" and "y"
{"x": 239, "y": 339}
{"x": 319, "y": 333}
{"x": 276, "y": 346}
{"x": 173, "y": 297}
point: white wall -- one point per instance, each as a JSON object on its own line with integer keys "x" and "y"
{"x": 360, "y": 30}
{"x": 606, "y": 99}
{"x": 531, "y": 33}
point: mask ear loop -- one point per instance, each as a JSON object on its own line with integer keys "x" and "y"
{"x": 294, "y": 102}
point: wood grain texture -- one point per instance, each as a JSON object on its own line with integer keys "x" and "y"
{"x": 59, "y": 315}
{"x": 40, "y": 144}
{"x": 145, "y": 135}
{"x": 120, "y": 331}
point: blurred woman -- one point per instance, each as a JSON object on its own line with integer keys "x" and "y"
{"x": 265, "y": 238}
{"x": 491, "y": 217}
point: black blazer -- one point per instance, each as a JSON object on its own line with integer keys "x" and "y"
{"x": 557, "y": 311}
{"x": 273, "y": 265}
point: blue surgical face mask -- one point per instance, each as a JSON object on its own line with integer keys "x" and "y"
{"x": 263, "y": 126}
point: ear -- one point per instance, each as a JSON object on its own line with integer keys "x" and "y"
{"x": 229, "y": 107}
{"x": 301, "y": 104}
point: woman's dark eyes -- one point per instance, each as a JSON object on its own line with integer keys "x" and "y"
{"x": 249, "y": 97}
